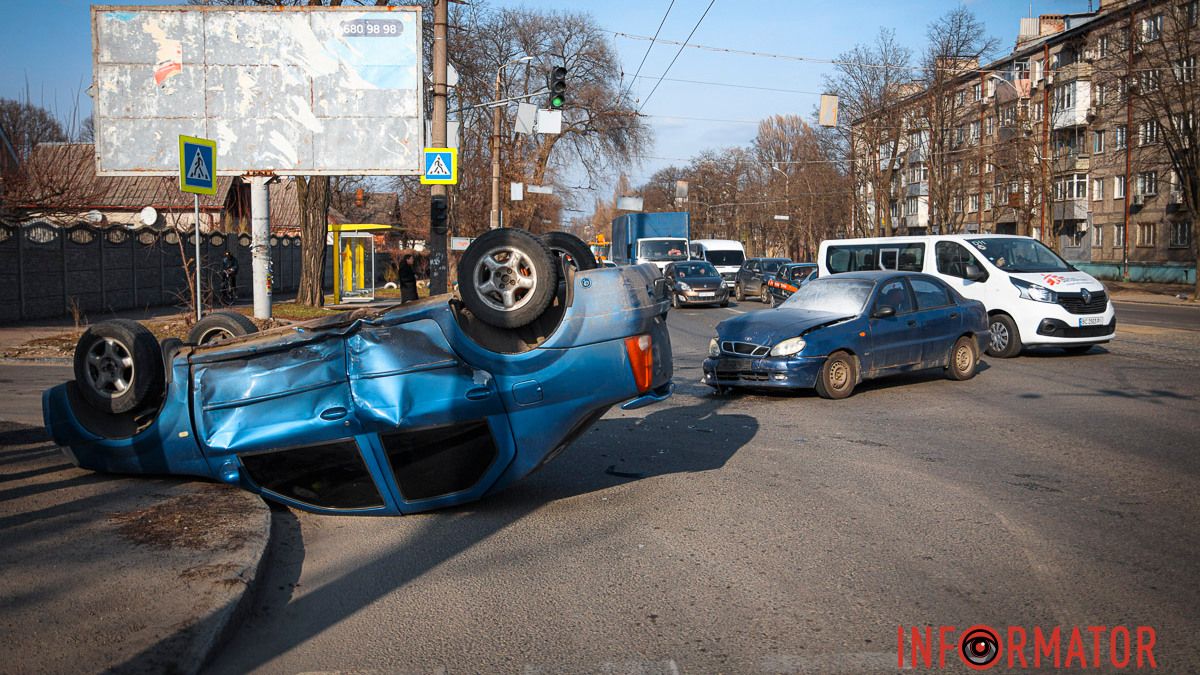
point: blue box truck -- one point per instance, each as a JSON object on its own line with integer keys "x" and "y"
{"x": 659, "y": 238}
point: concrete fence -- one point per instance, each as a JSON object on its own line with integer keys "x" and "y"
{"x": 50, "y": 271}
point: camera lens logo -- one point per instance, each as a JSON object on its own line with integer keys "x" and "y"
{"x": 979, "y": 647}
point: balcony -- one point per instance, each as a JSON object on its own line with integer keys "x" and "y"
{"x": 1071, "y": 209}
{"x": 1077, "y": 114}
{"x": 1010, "y": 90}
{"x": 917, "y": 190}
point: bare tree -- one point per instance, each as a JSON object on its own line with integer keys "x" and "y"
{"x": 949, "y": 116}
{"x": 1164, "y": 86}
{"x": 870, "y": 81}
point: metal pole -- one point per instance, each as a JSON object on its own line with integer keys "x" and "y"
{"x": 437, "y": 240}
{"x": 196, "y": 226}
{"x": 260, "y": 245}
{"x": 494, "y": 221}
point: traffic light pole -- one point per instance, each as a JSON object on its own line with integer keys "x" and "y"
{"x": 437, "y": 236}
{"x": 494, "y": 220}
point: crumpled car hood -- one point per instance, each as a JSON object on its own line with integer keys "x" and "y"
{"x": 771, "y": 326}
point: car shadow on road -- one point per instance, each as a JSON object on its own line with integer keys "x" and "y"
{"x": 874, "y": 384}
{"x": 619, "y": 450}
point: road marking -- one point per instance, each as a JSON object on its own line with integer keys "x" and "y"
{"x": 853, "y": 662}
{"x": 667, "y": 667}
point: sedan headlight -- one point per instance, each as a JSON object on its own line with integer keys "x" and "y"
{"x": 680, "y": 286}
{"x": 788, "y": 347}
{"x": 714, "y": 348}
{"x": 1034, "y": 292}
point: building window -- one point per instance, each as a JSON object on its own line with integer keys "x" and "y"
{"x": 1098, "y": 236}
{"x": 1064, "y": 97}
{"x": 1145, "y": 234}
{"x": 1148, "y": 80}
{"x": 1184, "y": 123}
{"x": 1147, "y": 183}
{"x": 1074, "y": 236}
{"x": 1100, "y": 94}
{"x": 975, "y": 131}
{"x": 1181, "y": 235}
{"x": 1119, "y": 235}
{"x": 1071, "y": 187}
{"x": 1119, "y": 138}
{"x": 1037, "y": 70}
{"x": 1038, "y": 110}
{"x": 976, "y": 92}
{"x": 1097, "y": 189}
{"x": 987, "y": 201}
{"x": 1097, "y": 142}
{"x": 1148, "y": 132}
{"x": 1185, "y": 69}
{"x": 1102, "y": 46}
{"x": 958, "y": 204}
{"x": 972, "y": 203}
{"x": 1152, "y": 28}
{"x": 991, "y": 87}
{"x": 961, "y": 97}
{"x": 1192, "y": 12}
{"x": 1118, "y": 187}
{"x": 990, "y": 125}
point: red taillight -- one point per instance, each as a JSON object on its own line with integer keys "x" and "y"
{"x": 641, "y": 360}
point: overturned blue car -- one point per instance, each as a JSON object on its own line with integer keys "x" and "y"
{"x": 380, "y": 412}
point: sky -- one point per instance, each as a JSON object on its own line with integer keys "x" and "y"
{"x": 46, "y": 46}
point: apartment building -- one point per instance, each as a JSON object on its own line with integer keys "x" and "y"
{"x": 1049, "y": 142}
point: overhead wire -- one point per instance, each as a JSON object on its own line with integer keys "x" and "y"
{"x": 673, "y": 60}
{"x": 650, "y": 46}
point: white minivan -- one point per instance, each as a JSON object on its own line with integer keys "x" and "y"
{"x": 726, "y": 255}
{"x": 1033, "y": 297}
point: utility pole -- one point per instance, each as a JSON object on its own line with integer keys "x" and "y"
{"x": 494, "y": 221}
{"x": 437, "y": 239}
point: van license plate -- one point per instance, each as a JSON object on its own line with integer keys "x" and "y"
{"x": 1091, "y": 321}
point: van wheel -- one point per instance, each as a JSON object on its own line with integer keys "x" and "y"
{"x": 964, "y": 359}
{"x": 1006, "y": 340}
{"x": 118, "y": 366}
{"x": 838, "y": 376}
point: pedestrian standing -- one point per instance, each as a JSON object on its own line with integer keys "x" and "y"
{"x": 408, "y": 279}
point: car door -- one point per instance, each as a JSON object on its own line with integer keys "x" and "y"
{"x": 952, "y": 260}
{"x": 895, "y": 340}
{"x": 746, "y": 274}
{"x": 939, "y": 319}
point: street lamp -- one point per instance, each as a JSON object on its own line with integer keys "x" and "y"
{"x": 494, "y": 221}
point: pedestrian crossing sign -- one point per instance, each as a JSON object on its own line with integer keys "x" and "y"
{"x": 197, "y": 165}
{"x": 441, "y": 166}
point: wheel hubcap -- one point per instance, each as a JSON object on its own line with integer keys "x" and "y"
{"x": 999, "y": 337}
{"x": 839, "y": 375}
{"x": 962, "y": 358}
{"x": 109, "y": 368}
{"x": 505, "y": 279}
{"x": 215, "y": 335}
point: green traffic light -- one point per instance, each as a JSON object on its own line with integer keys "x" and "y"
{"x": 556, "y": 102}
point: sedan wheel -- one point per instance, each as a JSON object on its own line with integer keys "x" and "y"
{"x": 838, "y": 376}
{"x": 963, "y": 360}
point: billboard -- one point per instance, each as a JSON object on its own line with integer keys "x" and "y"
{"x": 294, "y": 91}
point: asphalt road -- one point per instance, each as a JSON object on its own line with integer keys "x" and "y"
{"x": 1178, "y": 317}
{"x": 783, "y": 533}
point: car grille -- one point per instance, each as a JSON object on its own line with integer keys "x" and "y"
{"x": 753, "y": 377}
{"x": 744, "y": 348}
{"x": 1074, "y": 303}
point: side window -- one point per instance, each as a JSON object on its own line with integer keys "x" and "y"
{"x": 952, "y": 259}
{"x": 332, "y": 475}
{"x": 851, "y": 258}
{"x": 837, "y": 259}
{"x": 912, "y": 258}
{"x": 895, "y": 294}
{"x": 752, "y": 265}
{"x": 929, "y": 293}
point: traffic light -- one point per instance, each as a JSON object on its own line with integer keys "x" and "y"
{"x": 439, "y": 213}
{"x": 556, "y": 82}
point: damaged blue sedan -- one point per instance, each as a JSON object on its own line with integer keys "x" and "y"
{"x": 380, "y": 412}
{"x": 839, "y": 330}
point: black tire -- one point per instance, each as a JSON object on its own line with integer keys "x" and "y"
{"x": 507, "y": 277}
{"x": 118, "y": 366}
{"x": 572, "y": 248}
{"x": 739, "y": 293}
{"x": 1005, "y": 342}
{"x": 838, "y": 376}
{"x": 964, "y": 359}
{"x": 220, "y": 326}
{"x": 1076, "y": 350}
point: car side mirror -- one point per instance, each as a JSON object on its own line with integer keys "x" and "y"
{"x": 884, "y": 311}
{"x": 975, "y": 273}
